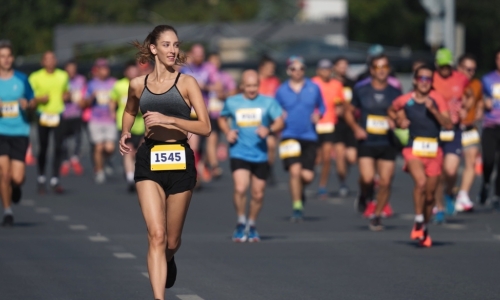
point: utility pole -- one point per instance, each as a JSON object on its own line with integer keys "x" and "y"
{"x": 449, "y": 25}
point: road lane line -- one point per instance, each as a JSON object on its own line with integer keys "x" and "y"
{"x": 28, "y": 202}
{"x": 189, "y": 297}
{"x": 98, "y": 238}
{"x": 145, "y": 274}
{"x": 42, "y": 210}
{"x": 124, "y": 255}
{"x": 61, "y": 218}
{"x": 454, "y": 226}
{"x": 78, "y": 227}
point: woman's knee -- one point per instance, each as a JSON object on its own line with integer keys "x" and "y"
{"x": 173, "y": 243}
{"x": 157, "y": 238}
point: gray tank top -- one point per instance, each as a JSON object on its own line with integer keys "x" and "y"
{"x": 171, "y": 103}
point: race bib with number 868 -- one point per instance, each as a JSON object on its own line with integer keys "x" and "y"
{"x": 168, "y": 157}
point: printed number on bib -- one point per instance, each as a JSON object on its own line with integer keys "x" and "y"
{"x": 102, "y": 97}
{"x": 289, "y": 148}
{"x": 215, "y": 105}
{"x": 324, "y": 128}
{"x": 425, "y": 147}
{"x": 446, "y": 135}
{"x": 49, "y": 120}
{"x": 470, "y": 137}
{"x": 248, "y": 117}
{"x": 377, "y": 124}
{"x": 168, "y": 157}
{"x": 10, "y": 109}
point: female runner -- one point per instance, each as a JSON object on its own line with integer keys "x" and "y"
{"x": 165, "y": 172}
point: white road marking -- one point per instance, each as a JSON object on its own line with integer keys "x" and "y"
{"x": 336, "y": 201}
{"x": 28, "y": 202}
{"x": 78, "y": 227}
{"x": 42, "y": 210}
{"x": 145, "y": 274}
{"x": 496, "y": 237}
{"x": 98, "y": 238}
{"x": 454, "y": 226}
{"x": 406, "y": 216}
{"x": 189, "y": 297}
{"x": 124, "y": 255}
{"x": 61, "y": 218}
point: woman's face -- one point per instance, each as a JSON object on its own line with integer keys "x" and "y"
{"x": 166, "y": 49}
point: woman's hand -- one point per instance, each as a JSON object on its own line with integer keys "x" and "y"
{"x": 124, "y": 149}
{"x": 152, "y": 118}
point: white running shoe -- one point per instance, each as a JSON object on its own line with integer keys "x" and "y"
{"x": 463, "y": 202}
{"x": 100, "y": 177}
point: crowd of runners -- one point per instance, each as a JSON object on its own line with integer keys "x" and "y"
{"x": 449, "y": 118}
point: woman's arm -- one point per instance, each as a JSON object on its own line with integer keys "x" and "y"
{"x": 131, "y": 110}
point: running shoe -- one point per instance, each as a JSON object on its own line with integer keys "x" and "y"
{"x": 360, "y": 204}
{"x": 239, "y": 234}
{"x": 64, "y": 170}
{"x": 253, "y": 235}
{"x": 483, "y": 195}
{"x": 100, "y": 177}
{"x": 343, "y": 191}
{"x": 450, "y": 204}
{"x": 77, "y": 167}
{"x": 171, "y": 273}
{"x": 57, "y": 189}
{"x": 322, "y": 193}
{"x": 387, "y": 211}
{"x": 370, "y": 209}
{"x": 297, "y": 216}
{"x": 439, "y": 217}
{"x": 8, "y": 221}
{"x": 375, "y": 224}
{"x": 463, "y": 203}
{"x": 426, "y": 241}
{"x": 417, "y": 232}
{"x": 16, "y": 193}
{"x": 216, "y": 172}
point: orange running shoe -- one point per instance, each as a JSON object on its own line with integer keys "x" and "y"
{"x": 417, "y": 233}
{"x": 387, "y": 211}
{"x": 370, "y": 209}
{"x": 426, "y": 242}
{"x": 77, "y": 167}
{"x": 64, "y": 169}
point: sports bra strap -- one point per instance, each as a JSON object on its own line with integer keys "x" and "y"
{"x": 177, "y": 78}
{"x": 146, "y": 80}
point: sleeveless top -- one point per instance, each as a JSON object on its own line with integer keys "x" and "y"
{"x": 171, "y": 103}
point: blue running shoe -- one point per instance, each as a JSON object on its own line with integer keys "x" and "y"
{"x": 439, "y": 217}
{"x": 450, "y": 204}
{"x": 253, "y": 235}
{"x": 322, "y": 193}
{"x": 297, "y": 215}
{"x": 239, "y": 234}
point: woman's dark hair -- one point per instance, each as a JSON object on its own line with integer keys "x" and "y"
{"x": 264, "y": 60}
{"x": 377, "y": 57}
{"x": 339, "y": 59}
{"x": 145, "y": 55}
{"x": 466, "y": 56}
{"x": 423, "y": 67}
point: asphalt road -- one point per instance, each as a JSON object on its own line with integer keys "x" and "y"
{"x": 90, "y": 243}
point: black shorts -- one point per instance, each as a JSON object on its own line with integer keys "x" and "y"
{"x": 260, "y": 170}
{"x": 326, "y": 137}
{"x": 172, "y": 181}
{"x": 344, "y": 134}
{"x": 377, "y": 152}
{"x": 307, "y": 156}
{"x": 215, "y": 125}
{"x": 14, "y": 146}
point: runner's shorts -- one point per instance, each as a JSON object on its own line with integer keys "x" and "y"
{"x": 172, "y": 181}
{"x": 102, "y": 132}
{"x": 432, "y": 165}
{"x": 454, "y": 146}
{"x": 307, "y": 155}
{"x": 377, "y": 152}
{"x": 344, "y": 134}
{"x": 326, "y": 137}
{"x": 259, "y": 170}
{"x": 14, "y": 146}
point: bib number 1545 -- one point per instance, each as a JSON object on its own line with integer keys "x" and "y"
{"x": 168, "y": 157}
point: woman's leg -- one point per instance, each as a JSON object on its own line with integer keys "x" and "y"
{"x": 177, "y": 208}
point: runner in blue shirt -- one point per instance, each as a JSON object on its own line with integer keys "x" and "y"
{"x": 253, "y": 118}
{"x": 15, "y": 94}
{"x": 302, "y": 102}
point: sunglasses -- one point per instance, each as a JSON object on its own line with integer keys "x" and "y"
{"x": 296, "y": 69}
{"x": 424, "y": 79}
{"x": 470, "y": 70}
{"x": 382, "y": 67}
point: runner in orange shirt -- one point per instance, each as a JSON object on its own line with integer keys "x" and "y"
{"x": 332, "y": 92}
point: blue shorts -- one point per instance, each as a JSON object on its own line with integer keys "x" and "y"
{"x": 454, "y": 146}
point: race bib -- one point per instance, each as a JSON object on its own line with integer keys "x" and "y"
{"x": 102, "y": 97}
{"x": 324, "y": 128}
{"x": 215, "y": 105}
{"x": 446, "y": 135}
{"x": 123, "y": 100}
{"x": 249, "y": 117}
{"x": 425, "y": 147}
{"x": 193, "y": 114}
{"x": 168, "y": 157}
{"x": 470, "y": 137}
{"x": 49, "y": 120}
{"x": 377, "y": 125}
{"x": 496, "y": 91}
{"x": 10, "y": 109}
{"x": 76, "y": 96}
{"x": 347, "y": 94}
{"x": 289, "y": 148}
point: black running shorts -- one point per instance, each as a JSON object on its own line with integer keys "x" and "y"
{"x": 260, "y": 170}
{"x": 172, "y": 181}
{"x": 377, "y": 152}
{"x": 14, "y": 146}
{"x": 307, "y": 156}
{"x": 344, "y": 134}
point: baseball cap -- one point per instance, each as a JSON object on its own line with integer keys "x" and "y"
{"x": 294, "y": 58}
{"x": 444, "y": 57}
{"x": 101, "y": 62}
{"x": 324, "y": 64}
